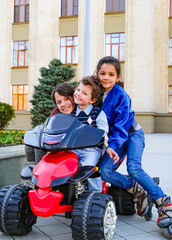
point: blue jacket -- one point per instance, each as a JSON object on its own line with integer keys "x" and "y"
{"x": 117, "y": 107}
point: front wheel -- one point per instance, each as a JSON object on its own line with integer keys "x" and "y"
{"x": 16, "y": 217}
{"x": 93, "y": 217}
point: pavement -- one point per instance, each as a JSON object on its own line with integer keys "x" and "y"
{"x": 157, "y": 161}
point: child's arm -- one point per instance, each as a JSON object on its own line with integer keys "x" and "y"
{"x": 102, "y": 122}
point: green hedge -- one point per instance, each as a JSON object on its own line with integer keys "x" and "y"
{"x": 6, "y": 114}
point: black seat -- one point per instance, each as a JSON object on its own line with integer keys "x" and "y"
{"x": 82, "y": 173}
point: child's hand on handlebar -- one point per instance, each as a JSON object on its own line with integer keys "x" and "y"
{"x": 113, "y": 155}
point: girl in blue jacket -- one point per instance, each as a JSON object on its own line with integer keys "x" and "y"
{"x": 126, "y": 137}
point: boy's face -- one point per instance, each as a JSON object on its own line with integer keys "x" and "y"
{"x": 83, "y": 96}
{"x": 64, "y": 104}
{"x": 108, "y": 76}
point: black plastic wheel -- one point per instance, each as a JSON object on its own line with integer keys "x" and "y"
{"x": 148, "y": 216}
{"x": 16, "y": 217}
{"x": 168, "y": 232}
{"x": 93, "y": 217}
{"x": 124, "y": 201}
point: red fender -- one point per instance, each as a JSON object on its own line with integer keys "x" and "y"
{"x": 55, "y": 165}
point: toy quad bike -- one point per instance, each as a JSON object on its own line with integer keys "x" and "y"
{"x": 59, "y": 184}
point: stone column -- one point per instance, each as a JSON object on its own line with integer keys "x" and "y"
{"x": 43, "y": 37}
{"x": 6, "y": 50}
{"x": 147, "y": 54}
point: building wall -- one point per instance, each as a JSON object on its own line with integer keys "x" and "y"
{"x": 145, "y": 72}
{"x": 6, "y": 10}
{"x": 43, "y": 38}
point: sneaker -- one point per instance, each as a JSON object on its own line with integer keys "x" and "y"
{"x": 164, "y": 211}
{"x": 141, "y": 199}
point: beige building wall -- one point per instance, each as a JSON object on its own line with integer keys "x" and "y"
{"x": 145, "y": 70}
{"x": 5, "y": 50}
{"x": 97, "y": 10}
{"x": 139, "y": 54}
{"x": 81, "y": 27}
{"x": 43, "y": 38}
{"x": 147, "y": 54}
{"x": 160, "y": 61}
{"x": 20, "y": 31}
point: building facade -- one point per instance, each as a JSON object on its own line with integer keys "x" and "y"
{"x": 80, "y": 32}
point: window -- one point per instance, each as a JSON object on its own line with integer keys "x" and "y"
{"x": 21, "y": 10}
{"x": 115, "y": 5}
{"x": 115, "y": 45}
{"x": 170, "y": 8}
{"x": 20, "y": 53}
{"x": 170, "y": 99}
{"x": 69, "y": 8}
{"x": 20, "y": 97}
{"x": 170, "y": 52}
{"x": 69, "y": 50}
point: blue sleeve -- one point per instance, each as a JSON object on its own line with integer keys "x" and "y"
{"x": 117, "y": 107}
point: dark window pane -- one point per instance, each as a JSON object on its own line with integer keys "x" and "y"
{"x": 22, "y": 2}
{"x": 63, "y": 8}
{"x": 108, "y": 6}
{"x": 122, "y": 5}
{"x": 22, "y": 14}
{"x": 75, "y": 11}
{"x": 16, "y": 2}
{"x": 115, "y": 5}
{"x": 16, "y": 14}
{"x": 70, "y": 8}
{"x": 27, "y": 13}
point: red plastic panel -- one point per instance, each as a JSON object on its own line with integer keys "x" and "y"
{"x": 55, "y": 165}
{"x": 44, "y": 202}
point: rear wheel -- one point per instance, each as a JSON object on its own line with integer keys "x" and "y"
{"x": 124, "y": 201}
{"x": 168, "y": 232}
{"x": 93, "y": 217}
{"x": 16, "y": 217}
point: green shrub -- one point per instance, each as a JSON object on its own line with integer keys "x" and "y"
{"x": 6, "y": 114}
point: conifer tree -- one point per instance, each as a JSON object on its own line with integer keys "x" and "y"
{"x": 42, "y": 103}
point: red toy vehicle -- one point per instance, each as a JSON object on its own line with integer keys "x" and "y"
{"x": 59, "y": 184}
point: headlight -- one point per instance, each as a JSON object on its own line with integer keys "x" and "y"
{"x": 53, "y": 139}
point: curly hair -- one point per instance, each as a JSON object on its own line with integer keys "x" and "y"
{"x": 97, "y": 88}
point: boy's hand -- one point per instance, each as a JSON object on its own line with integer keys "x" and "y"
{"x": 112, "y": 154}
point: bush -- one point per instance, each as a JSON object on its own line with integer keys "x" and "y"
{"x": 42, "y": 102}
{"x": 6, "y": 114}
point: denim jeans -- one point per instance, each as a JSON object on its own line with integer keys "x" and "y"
{"x": 90, "y": 157}
{"x": 133, "y": 148}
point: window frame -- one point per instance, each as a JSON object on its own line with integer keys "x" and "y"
{"x": 66, "y": 46}
{"x": 170, "y": 8}
{"x": 110, "y": 2}
{"x": 169, "y": 95}
{"x": 25, "y": 11}
{"x": 64, "y": 7}
{"x": 20, "y": 96}
{"x": 170, "y": 55}
{"x": 112, "y": 44}
{"x": 18, "y": 51}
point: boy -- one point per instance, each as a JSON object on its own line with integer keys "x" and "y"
{"x": 87, "y": 97}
